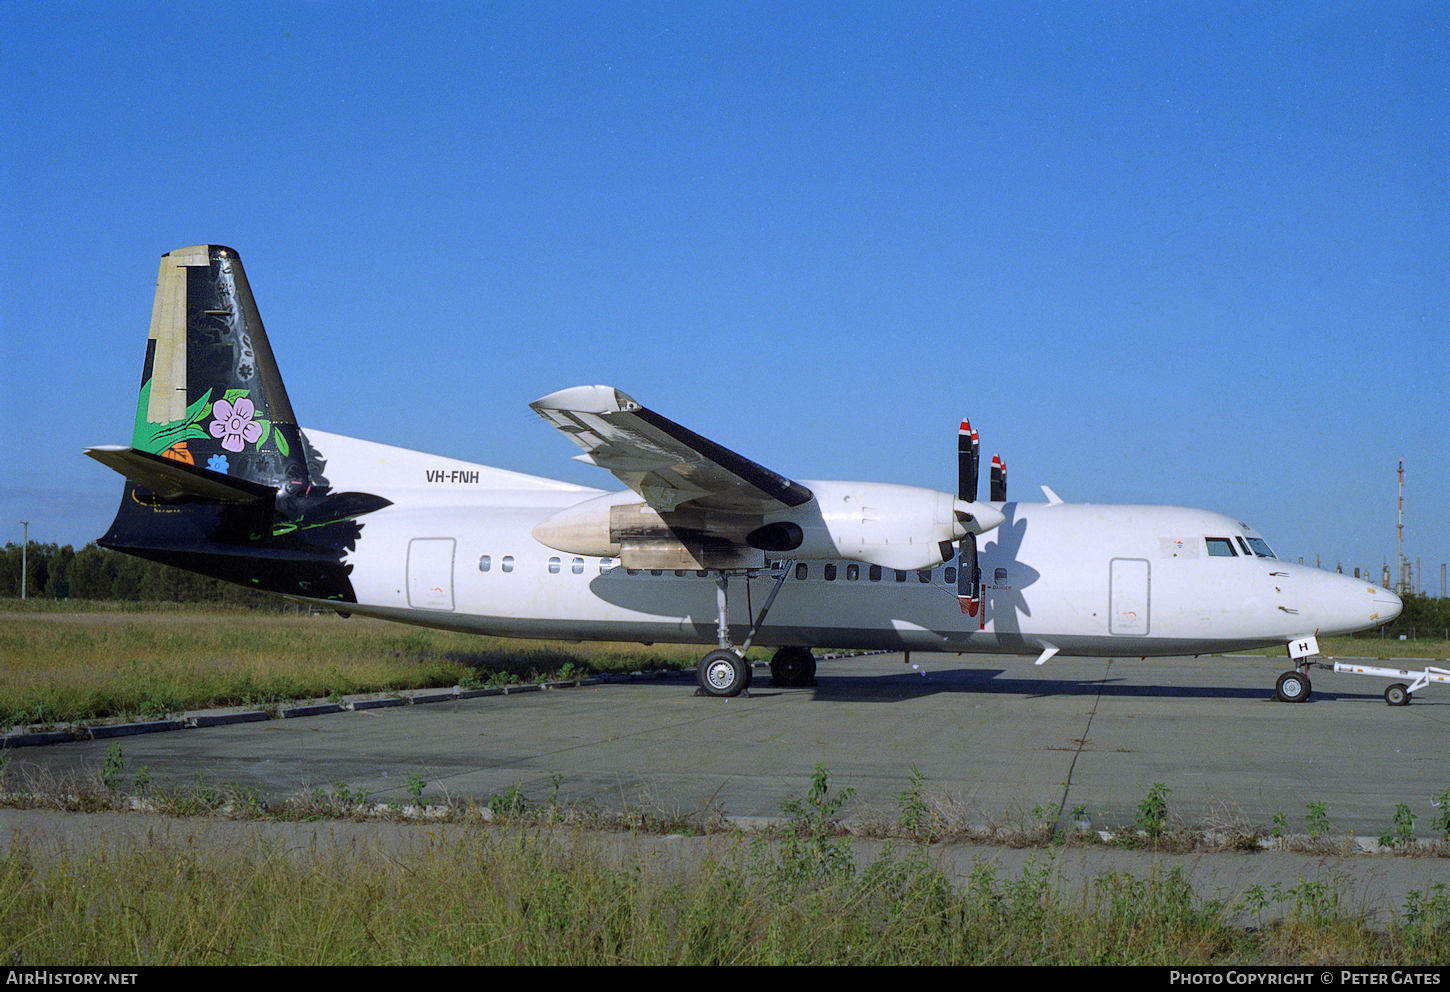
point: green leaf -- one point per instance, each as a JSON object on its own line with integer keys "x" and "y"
{"x": 282, "y": 444}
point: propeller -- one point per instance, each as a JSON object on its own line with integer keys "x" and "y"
{"x": 969, "y": 573}
{"x": 999, "y": 479}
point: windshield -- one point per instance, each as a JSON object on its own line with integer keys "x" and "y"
{"x": 1260, "y": 548}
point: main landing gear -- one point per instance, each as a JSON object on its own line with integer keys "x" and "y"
{"x": 724, "y": 671}
{"x": 793, "y": 667}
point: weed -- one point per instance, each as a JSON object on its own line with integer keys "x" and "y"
{"x": 1317, "y": 820}
{"x": 1442, "y": 817}
{"x": 111, "y": 767}
{"x": 555, "y": 781}
{"x": 807, "y": 853}
{"x": 1401, "y": 830}
{"x": 416, "y": 785}
{"x": 509, "y": 802}
{"x": 915, "y": 818}
{"x": 1426, "y": 920}
{"x": 570, "y": 672}
{"x": 1152, "y": 815}
{"x": 1281, "y": 823}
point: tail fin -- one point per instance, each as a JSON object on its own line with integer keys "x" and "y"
{"x": 220, "y": 479}
{"x": 211, "y": 395}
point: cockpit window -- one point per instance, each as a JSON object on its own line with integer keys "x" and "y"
{"x": 1244, "y": 547}
{"x": 1220, "y": 547}
{"x": 1260, "y": 548}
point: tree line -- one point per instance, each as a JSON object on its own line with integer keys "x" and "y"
{"x": 95, "y": 573}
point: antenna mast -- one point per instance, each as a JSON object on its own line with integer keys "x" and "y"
{"x": 1400, "y": 587}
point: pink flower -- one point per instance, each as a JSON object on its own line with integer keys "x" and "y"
{"x": 234, "y": 424}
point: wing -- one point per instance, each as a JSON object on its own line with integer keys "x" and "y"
{"x": 669, "y": 465}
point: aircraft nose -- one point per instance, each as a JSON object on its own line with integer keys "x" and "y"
{"x": 1343, "y": 605}
{"x": 1387, "y": 605}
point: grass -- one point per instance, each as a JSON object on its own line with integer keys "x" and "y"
{"x": 516, "y": 880}
{"x": 528, "y": 891}
{"x": 66, "y": 665}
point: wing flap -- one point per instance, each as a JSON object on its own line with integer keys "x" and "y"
{"x": 669, "y": 465}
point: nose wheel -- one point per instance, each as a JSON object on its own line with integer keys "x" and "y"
{"x": 1293, "y": 687}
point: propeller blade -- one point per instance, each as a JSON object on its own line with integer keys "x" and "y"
{"x": 968, "y": 455}
{"x": 969, "y": 576}
{"x": 999, "y": 479}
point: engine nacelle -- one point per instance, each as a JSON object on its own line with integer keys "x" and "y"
{"x": 621, "y": 525}
{"x": 901, "y": 527}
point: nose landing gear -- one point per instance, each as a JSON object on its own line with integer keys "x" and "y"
{"x": 1293, "y": 687}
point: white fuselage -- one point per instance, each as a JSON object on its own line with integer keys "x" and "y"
{"x": 456, "y": 550}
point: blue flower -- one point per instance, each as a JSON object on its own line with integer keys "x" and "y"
{"x": 217, "y": 463}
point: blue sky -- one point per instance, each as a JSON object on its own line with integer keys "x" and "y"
{"x": 1187, "y": 254}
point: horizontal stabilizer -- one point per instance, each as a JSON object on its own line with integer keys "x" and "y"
{"x": 170, "y": 479}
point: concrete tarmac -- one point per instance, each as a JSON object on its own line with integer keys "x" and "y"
{"x": 995, "y": 737}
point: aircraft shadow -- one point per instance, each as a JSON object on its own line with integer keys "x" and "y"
{"x": 996, "y": 681}
{"x": 901, "y": 686}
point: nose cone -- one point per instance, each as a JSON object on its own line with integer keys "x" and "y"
{"x": 1343, "y": 606}
{"x": 1387, "y": 604}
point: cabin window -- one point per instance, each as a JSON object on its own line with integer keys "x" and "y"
{"x": 657, "y": 571}
{"x": 553, "y": 566}
{"x": 485, "y": 563}
{"x": 631, "y": 571}
{"x": 923, "y": 575}
{"x": 578, "y": 566}
{"x": 853, "y": 572}
{"x": 508, "y": 563}
{"x": 950, "y": 578}
{"x": 831, "y": 572}
{"x": 801, "y": 570}
{"x": 875, "y": 573}
{"x": 1000, "y": 575}
{"x": 702, "y": 572}
{"x": 900, "y": 575}
{"x": 1220, "y": 547}
{"x": 606, "y": 565}
{"x": 679, "y": 573}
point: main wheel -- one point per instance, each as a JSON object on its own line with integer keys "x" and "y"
{"x": 1293, "y": 687}
{"x": 1398, "y": 694}
{"x": 792, "y": 667}
{"x": 722, "y": 673}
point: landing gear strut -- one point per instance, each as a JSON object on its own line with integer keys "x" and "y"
{"x": 724, "y": 671}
